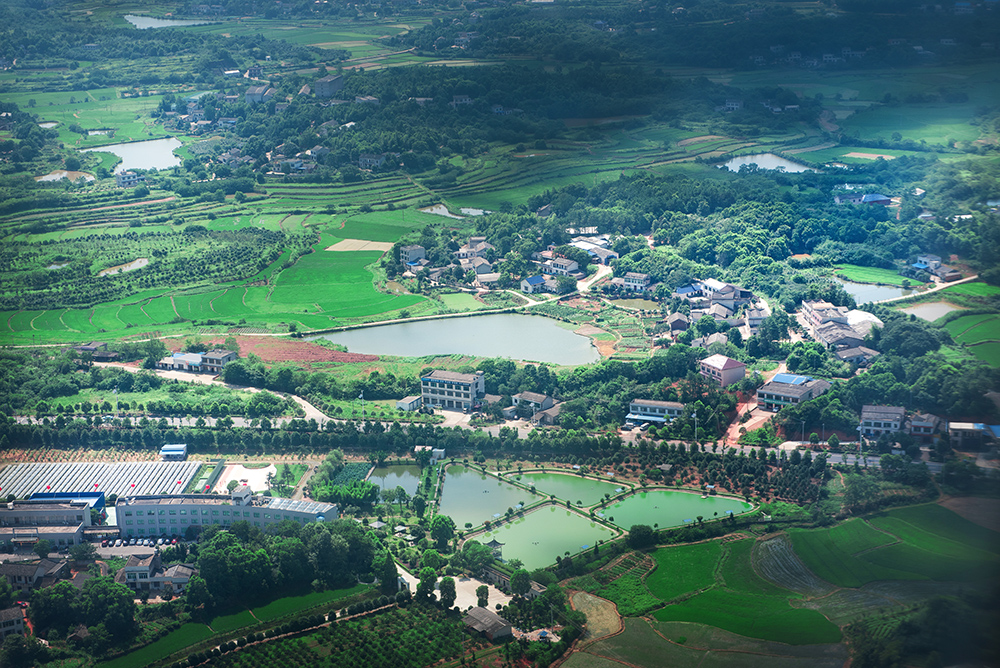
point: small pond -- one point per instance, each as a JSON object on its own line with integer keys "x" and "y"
{"x": 61, "y": 174}
{"x": 864, "y": 293}
{"x": 48, "y": 125}
{"x": 521, "y": 337}
{"x": 669, "y": 508}
{"x": 570, "y": 488}
{"x": 471, "y": 496}
{"x": 931, "y": 311}
{"x": 542, "y": 535}
{"x": 147, "y": 22}
{"x": 767, "y": 161}
{"x": 152, "y": 154}
{"x": 122, "y": 268}
{"x": 406, "y": 476}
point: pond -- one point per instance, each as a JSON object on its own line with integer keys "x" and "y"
{"x": 152, "y": 154}
{"x": 122, "y": 268}
{"x": 147, "y": 22}
{"x": 669, "y": 508}
{"x": 767, "y": 161}
{"x": 471, "y": 496}
{"x": 864, "y": 293}
{"x": 931, "y": 311}
{"x": 544, "y": 534}
{"x": 569, "y": 487}
{"x": 48, "y": 125}
{"x": 61, "y": 174}
{"x": 406, "y": 476}
{"x": 522, "y": 337}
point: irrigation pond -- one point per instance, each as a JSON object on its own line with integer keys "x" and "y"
{"x": 864, "y": 293}
{"x": 571, "y": 488}
{"x": 544, "y": 534}
{"x": 152, "y": 154}
{"x": 669, "y": 508}
{"x": 767, "y": 161}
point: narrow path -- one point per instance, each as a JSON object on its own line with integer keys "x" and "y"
{"x": 244, "y": 298}
{"x": 211, "y": 302}
{"x": 11, "y": 318}
{"x": 142, "y": 307}
{"x": 174, "y": 306}
{"x": 91, "y": 318}
{"x": 32, "y": 323}
{"x": 64, "y": 322}
{"x": 937, "y": 286}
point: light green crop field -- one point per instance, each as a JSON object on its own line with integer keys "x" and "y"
{"x": 290, "y": 604}
{"x": 176, "y": 640}
{"x": 934, "y": 123}
{"x": 988, "y": 352}
{"x": 385, "y": 225}
{"x": 232, "y": 622}
{"x": 755, "y": 616}
{"x": 739, "y": 575}
{"x": 683, "y": 569}
{"x": 859, "y": 274}
{"x": 987, "y": 330}
{"x": 829, "y": 553}
{"x": 974, "y": 289}
{"x": 959, "y": 326}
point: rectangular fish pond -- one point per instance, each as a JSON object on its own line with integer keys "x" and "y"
{"x": 669, "y": 508}
{"x": 470, "y": 496}
{"x": 570, "y": 487}
{"x": 544, "y": 534}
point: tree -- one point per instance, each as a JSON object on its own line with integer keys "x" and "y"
{"x": 43, "y": 547}
{"x": 861, "y": 491}
{"x": 233, "y": 484}
{"x": 833, "y": 441}
{"x": 442, "y": 531}
{"x": 21, "y": 651}
{"x": 520, "y": 582}
{"x": 641, "y": 535}
{"x": 54, "y": 607}
{"x": 425, "y": 588}
{"x": 111, "y": 603}
{"x": 197, "y": 594}
{"x": 6, "y": 594}
{"x": 84, "y": 551}
{"x": 385, "y": 568}
{"x": 476, "y": 556}
{"x": 447, "y": 592}
{"x": 419, "y": 505}
{"x": 483, "y": 596}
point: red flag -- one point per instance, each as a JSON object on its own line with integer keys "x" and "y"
{"x": 48, "y": 487}
{"x": 95, "y": 484}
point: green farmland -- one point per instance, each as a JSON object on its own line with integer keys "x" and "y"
{"x": 870, "y": 275}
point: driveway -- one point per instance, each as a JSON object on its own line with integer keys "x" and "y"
{"x": 465, "y": 591}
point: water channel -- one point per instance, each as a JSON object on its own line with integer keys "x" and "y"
{"x": 542, "y": 535}
{"x": 147, "y": 22}
{"x": 864, "y": 293}
{"x": 570, "y": 488}
{"x": 669, "y": 508}
{"x": 766, "y": 161}
{"x": 406, "y": 476}
{"x": 473, "y": 497}
{"x": 152, "y": 154}
{"x": 521, "y": 337}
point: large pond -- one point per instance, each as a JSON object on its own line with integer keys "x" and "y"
{"x": 864, "y": 293}
{"x": 406, "y": 476}
{"x": 766, "y": 161}
{"x": 522, "y": 337}
{"x": 541, "y": 536}
{"x": 668, "y": 508}
{"x": 570, "y": 488}
{"x": 147, "y": 22}
{"x": 152, "y": 154}
{"x": 473, "y": 497}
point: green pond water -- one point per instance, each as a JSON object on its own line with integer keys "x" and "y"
{"x": 470, "y": 496}
{"x": 570, "y": 488}
{"x": 397, "y": 475}
{"x": 541, "y": 536}
{"x": 669, "y": 508}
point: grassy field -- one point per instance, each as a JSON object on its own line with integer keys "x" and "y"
{"x": 933, "y": 123}
{"x": 683, "y": 569}
{"x": 176, "y": 640}
{"x": 291, "y": 604}
{"x": 974, "y": 289}
{"x": 232, "y": 622}
{"x": 859, "y": 274}
{"x": 830, "y": 554}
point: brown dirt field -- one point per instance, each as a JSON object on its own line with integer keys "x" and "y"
{"x": 984, "y": 512}
{"x": 602, "y": 616}
{"x": 606, "y": 348}
{"x": 274, "y": 349}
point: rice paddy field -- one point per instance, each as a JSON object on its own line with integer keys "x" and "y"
{"x": 859, "y": 274}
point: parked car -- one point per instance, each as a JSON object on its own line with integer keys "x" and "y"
{"x": 104, "y": 543}
{"x": 159, "y": 541}
{"x": 118, "y": 542}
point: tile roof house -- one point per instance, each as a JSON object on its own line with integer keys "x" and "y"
{"x": 145, "y": 573}
{"x": 723, "y": 370}
{"x": 878, "y": 420}
{"x": 11, "y": 621}
{"x": 488, "y": 623}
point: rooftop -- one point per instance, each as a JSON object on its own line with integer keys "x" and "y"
{"x": 452, "y": 376}
{"x": 658, "y": 404}
{"x": 721, "y": 362}
{"x": 882, "y": 412}
{"x": 485, "y": 620}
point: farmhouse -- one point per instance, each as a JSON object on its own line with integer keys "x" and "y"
{"x": 371, "y": 160}
{"x": 448, "y": 389}
{"x": 529, "y": 403}
{"x": 923, "y": 424}
{"x": 859, "y": 355}
{"x": 533, "y": 284}
{"x": 649, "y": 410}
{"x": 787, "y": 389}
{"x": 214, "y": 360}
{"x": 488, "y": 623}
{"x": 678, "y": 322}
{"x": 11, "y": 621}
{"x": 723, "y": 370}
{"x": 560, "y": 266}
{"x": 27, "y": 576}
{"x": 258, "y": 94}
{"x": 412, "y": 253}
{"x": 878, "y": 420}
{"x": 144, "y": 572}
{"x": 437, "y": 454}
{"x": 328, "y": 85}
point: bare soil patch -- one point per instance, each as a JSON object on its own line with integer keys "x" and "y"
{"x": 606, "y": 348}
{"x": 589, "y": 330}
{"x": 870, "y": 156}
{"x": 698, "y": 140}
{"x": 602, "y": 615}
{"x": 274, "y": 349}
{"x": 984, "y": 512}
{"x": 360, "y": 245}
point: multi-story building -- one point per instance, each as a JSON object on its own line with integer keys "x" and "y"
{"x": 649, "y": 410}
{"x": 412, "y": 253}
{"x": 787, "y": 389}
{"x": 128, "y": 179}
{"x": 11, "y": 621}
{"x": 723, "y": 370}
{"x": 214, "y": 360}
{"x": 636, "y": 281}
{"x": 923, "y": 424}
{"x": 24, "y": 523}
{"x": 328, "y": 85}
{"x": 448, "y": 389}
{"x": 818, "y": 312}
{"x": 878, "y": 420}
{"x": 172, "y": 514}
{"x": 144, "y": 572}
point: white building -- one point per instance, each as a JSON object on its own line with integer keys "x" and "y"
{"x": 172, "y": 514}
{"x": 648, "y": 410}
{"x": 878, "y": 420}
{"x": 723, "y": 370}
{"x": 408, "y": 403}
{"x": 448, "y": 389}
{"x": 128, "y": 179}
